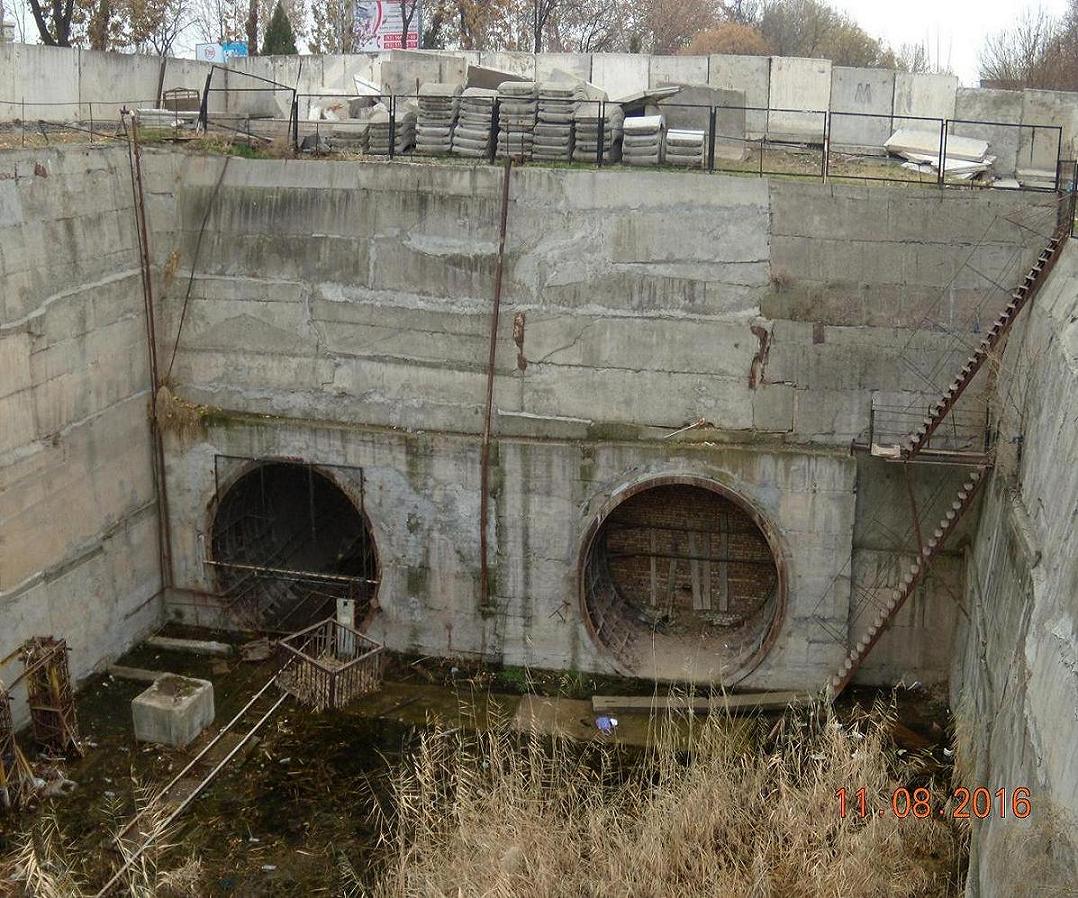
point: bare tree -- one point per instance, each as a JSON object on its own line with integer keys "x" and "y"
{"x": 1038, "y": 51}
{"x": 733, "y": 38}
{"x": 156, "y": 24}
{"x": 54, "y": 20}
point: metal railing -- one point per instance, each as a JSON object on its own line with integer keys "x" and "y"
{"x": 760, "y": 140}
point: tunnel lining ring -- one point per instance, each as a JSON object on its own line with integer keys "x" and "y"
{"x": 287, "y": 541}
{"x": 672, "y": 518}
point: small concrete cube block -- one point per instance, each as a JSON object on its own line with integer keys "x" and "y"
{"x": 173, "y": 711}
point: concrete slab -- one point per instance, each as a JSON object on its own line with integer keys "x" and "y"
{"x": 1002, "y": 111}
{"x": 1040, "y": 143}
{"x": 862, "y": 102}
{"x": 173, "y": 711}
{"x": 924, "y": 96}
{"x": 799, "y": 84}
{"x": 752, "y": 76}
{"x": 677, "y": 70}
{"x": 620, "y": 74}
{"x": 195, "y": 646}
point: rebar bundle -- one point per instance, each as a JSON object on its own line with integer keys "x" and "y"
{"x": 16, "y": 776}
{"x": 51, "y": 695}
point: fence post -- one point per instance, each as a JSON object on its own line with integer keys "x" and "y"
{"x": 825, "y": 163}
{"x": 711, "y": 139}
{"x": 600, "y": 134}
{"x": 495, "y": 126}
{"x": 294, "y": 122}
{"x": 204, "y": 105}
{"x": 943, "y": 151}
{"x": 392, "y": 126}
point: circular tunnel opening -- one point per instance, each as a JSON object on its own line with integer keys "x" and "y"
{"x": 681, "y": 582}
{"x": 287, "y": 544}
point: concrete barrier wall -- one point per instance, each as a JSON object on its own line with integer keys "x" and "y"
{"x": 799, "y": 84}
{"x": 752, "y": 76}
{"x": 677, "y": 70}
{"x": 867, "y": 98}
{"x": 66, "y": 82}
{"x": 77, "y": 503}
{"x": 1001, "y": 107}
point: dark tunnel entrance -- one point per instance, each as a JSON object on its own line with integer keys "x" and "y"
{"x": 681, "y": 582}
{"x": 287, "y": 543}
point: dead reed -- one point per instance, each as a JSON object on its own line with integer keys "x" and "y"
{"x": 500, "y": 814}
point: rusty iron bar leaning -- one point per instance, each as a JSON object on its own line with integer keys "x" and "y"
{"x": 484, "y": 462}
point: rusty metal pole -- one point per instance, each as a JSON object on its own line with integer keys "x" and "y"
{"x": 164, "y": 534}
{"x": 484, "y": 463}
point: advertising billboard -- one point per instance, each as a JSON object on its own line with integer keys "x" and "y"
{"x": 380, "y": 25}
{"x": 220, "y": 53}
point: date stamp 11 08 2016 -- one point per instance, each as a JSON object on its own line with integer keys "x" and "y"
{"x": 960, "y": 804}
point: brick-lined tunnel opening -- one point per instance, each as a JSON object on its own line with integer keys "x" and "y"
{"x": 681, "y": 580}
{"x": 287, "y": 544}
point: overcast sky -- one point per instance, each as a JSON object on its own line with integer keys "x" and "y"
{"x": 960, "y": 26}
{"x": 957, "y": 27}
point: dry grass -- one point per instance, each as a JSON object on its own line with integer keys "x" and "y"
{"x": 185, "y": 420}
{"x": 498, "y": 814}
{"x": 46, "y": 866}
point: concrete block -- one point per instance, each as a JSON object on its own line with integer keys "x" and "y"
{"x": 752, "y": 76}
{"x": 1002, "y": 110}
{"x": 108, "y": 81}
{"x": 522, "y": 64}
{"x": 194, "y": 646}
{"x": 619, "y": 74}
{"x": 46, "y": 81}
{"x": 925, "y": 97}
{"x": 677, "y": 70}
{"x": 691, "y": 106}
{"x": 578, "y": 64}
{"x": 799, "y": 84}
{"x": 173, "y": 711}
{"x": 862, "y": 102}
{"x": 1039, "y": 148}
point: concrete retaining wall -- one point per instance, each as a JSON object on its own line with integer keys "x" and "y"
{"x": 637, "y": 319}
{"x": 1015, "y": 686}
{"x": 77, "y": 508}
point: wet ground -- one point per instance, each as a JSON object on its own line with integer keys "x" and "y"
{"x": 299, "y": 811}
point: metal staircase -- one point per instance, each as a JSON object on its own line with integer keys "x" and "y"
{"x": 967, "y": 493}
{"x": 1021, "y": 295}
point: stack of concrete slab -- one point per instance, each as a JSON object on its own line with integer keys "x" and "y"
{"x": 350, "y": 136}
{"x": 965, "y": 157}
{"x": 475, "y": 122}
{"x": 642, "y": 143}
{"x": 686, "y": 147}
{"x": 518, "y": 109}
{"x": 403, "y": 130}
{"x": 588, "y": 119}
{"x": 558, "y": 102}
{"x": 436, "y": 119}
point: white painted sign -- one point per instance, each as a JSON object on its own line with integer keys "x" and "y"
{"x": 380, "y": 25}
{"x": 210, "y": 53}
